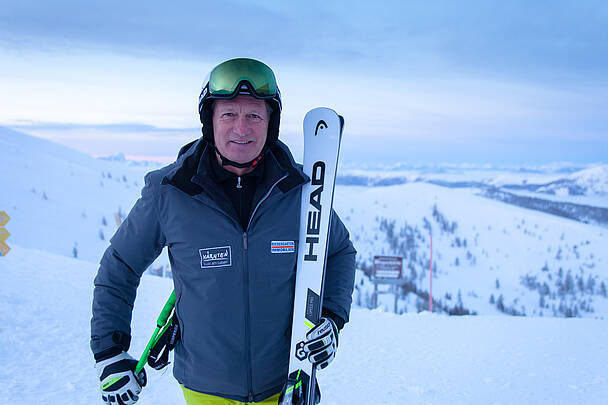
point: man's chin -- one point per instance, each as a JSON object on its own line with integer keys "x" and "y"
{"x": 241, "y": 159}
{"x": 241, "y": 156}
{"x": 238, "y": 158}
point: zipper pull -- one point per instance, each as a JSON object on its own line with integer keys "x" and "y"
{"x": 245, "y": 240}
{"x": 238, "y": 182}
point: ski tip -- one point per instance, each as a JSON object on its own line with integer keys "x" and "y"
{"x": 324, "y": 113}
{"x": 321, "y": 110}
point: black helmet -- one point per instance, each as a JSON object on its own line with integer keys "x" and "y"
{"x": 240, "y": 76}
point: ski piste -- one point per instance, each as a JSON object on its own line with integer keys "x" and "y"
{"x": 322, "y": 135}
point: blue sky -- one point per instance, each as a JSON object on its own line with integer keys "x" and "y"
{"x": 421, "y": 82}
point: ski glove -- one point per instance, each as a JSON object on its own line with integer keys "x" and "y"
{"x": 119, "y": 385}
{"x": 322, "y": 343}
{"x": 158, "y": 356}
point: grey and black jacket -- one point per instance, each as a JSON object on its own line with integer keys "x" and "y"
{"x": 234, "y": 290}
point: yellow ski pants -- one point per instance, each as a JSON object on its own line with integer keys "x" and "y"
{"x": 198, "y": 398}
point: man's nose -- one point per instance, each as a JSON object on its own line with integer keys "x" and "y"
{"x": 241, "y": 126}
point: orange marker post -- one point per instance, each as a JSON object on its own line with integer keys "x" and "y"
{"x": 4, "y": 234}
{"x": 431, "y": 278}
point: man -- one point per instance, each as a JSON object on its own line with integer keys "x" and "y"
{"x": 218, "y": 208}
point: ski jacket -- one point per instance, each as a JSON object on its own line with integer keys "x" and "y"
{"x": 234, "y": 287}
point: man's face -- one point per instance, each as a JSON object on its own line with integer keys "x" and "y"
{"x": 240, "y": 127}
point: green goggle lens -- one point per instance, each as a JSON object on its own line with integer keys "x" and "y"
{"x": 226, "y": 77}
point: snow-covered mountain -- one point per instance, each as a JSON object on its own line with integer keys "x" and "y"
{"x": 522, "y": 241}
{"x": 592, "y": 180}
{"x": 491, "y": 257}
{"x": 120, "y": 157}
{"x": 61, "y": 200}
{"x": 491, "y": 254}
{"x": 586, "y": 185}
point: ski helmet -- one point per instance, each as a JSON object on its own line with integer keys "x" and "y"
{"x": 240, "y": 76}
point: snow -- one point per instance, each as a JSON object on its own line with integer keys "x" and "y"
{"x": 594, "y": 179}
{"x": 505, "y": 242}
{"x": 430, "y": 359}
{"x": 563, "y": 195}
{"x": 382, "y": 359}
{"x": 588, "y": 186}
{"x": 45, "y": 302}
{"x": 59, "y": 199}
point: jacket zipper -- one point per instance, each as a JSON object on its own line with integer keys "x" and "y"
{"x": 264, "y": 198}
{"x": 246, "y": 279}
{"x": 247, "y": 318}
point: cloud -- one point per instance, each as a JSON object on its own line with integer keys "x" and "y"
{"x": 530, "y": 40}
{"x": 108, "y": 128}
{"x": 417, "y": 75}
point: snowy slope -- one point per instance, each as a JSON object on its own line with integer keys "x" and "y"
{"x": 63, "y": 201}
{"x": 574, "y": 184}
{"x": 594, "y": 179}
{"x": 60, "y": 199}
{"x": 45, "y": 309}
{"x": 383, "y": 359}
{"x": 482, "y": 247}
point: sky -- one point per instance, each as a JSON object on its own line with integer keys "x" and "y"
{"x": 513, "y": 82}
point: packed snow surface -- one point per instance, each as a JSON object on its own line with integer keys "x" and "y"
{"x": 382, "y": 359}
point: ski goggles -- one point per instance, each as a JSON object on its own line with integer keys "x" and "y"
{"x": 228, "y": 77}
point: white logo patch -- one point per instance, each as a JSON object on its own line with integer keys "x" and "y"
{"x": 216, "y": 257}
{"x": 282, "y": 246}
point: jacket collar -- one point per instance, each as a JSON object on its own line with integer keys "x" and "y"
{"x": 190, "y": 175}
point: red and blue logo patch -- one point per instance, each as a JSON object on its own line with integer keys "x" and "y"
{"x": 282, "y": 246}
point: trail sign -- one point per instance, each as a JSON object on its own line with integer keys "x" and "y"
{"x": 389, "y": 267}
{"x": 387, "y": 270}
{"x": 4, "y": 248}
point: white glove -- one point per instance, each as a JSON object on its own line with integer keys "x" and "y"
{"x": 119, "y": 385}
{"x": 322, "y": 343}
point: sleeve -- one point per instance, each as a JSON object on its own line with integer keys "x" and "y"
{"x": 136, "y": 244}
{"x": 339, "y": 273}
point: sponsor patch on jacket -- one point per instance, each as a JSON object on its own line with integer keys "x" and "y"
{"x": 282, "y": 246}
{"x": 216, "y": 257}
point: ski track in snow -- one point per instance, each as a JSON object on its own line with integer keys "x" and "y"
{"x": 45, "y": 310}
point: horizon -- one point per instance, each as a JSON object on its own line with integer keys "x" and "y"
{"x": 556, "y": 166}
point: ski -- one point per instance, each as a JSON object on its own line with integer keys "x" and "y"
{"x": 322, "y": 135}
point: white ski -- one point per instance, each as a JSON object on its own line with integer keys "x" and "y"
{"x": 322, "y": 135}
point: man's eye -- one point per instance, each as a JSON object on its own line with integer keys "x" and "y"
{"x": 228, "y": 115}
{"x": 255, "y": 116}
